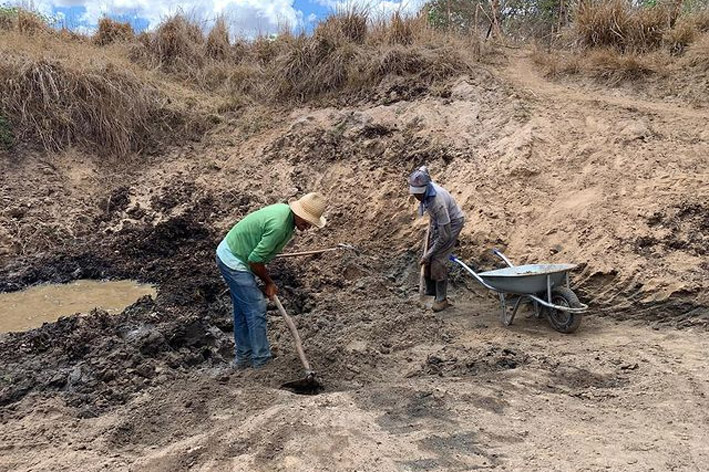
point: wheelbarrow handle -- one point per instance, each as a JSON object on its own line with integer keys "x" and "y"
{"x": 452, "y": 258}
{"x": 503, "y": 257}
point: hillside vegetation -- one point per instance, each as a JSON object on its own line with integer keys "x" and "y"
{"x": 661, "y": 47}
{"x": 120, "y": 93}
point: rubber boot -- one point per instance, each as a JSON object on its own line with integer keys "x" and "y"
{"x": 430, "y": 287}
{"x": 441, "y": 302}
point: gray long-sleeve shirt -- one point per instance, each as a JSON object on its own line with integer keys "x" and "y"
{"x": 442, "y": 209}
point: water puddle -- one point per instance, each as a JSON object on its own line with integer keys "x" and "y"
{"x": 20, "y": 311}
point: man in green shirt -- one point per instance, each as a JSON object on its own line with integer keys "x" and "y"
{"x": 242, "y": 256}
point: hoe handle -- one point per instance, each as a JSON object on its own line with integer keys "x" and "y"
{"x": 422, "y": 277}
{"x": 294, "y": 332}
{"x": 306, "y": 253}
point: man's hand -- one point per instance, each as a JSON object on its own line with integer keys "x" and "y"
{"x": 425, "y": 260}
{"x": 270, "y": 290}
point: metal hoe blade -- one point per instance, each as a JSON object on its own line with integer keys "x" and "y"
{"x": 309, "y": 385}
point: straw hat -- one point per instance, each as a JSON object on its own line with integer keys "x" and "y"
{"x": 310, "y": 207}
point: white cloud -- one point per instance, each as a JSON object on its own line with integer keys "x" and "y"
{"x": 246, "y": 17}
{"x": 377, "y": 7}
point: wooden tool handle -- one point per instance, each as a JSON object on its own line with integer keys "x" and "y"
{"x": 294, "y": 332}
{"x": 306, "y": 253}
{"x": 422, "y": 278}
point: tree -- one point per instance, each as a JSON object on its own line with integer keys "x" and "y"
{"x": 522, "y": 17}
{"x": 453, "y": 14}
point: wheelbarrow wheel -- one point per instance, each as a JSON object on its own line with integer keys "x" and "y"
{"x": 563, "y": 321}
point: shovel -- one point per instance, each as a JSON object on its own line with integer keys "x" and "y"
{"x": 308, "y": 385}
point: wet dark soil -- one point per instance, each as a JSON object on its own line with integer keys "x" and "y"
{"x": 101, "y": 360}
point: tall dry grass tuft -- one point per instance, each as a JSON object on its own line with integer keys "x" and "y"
{"x": 700, "y": 20}
{"x": 348, "y": 25}
{"x": 337, "y": 63}
{"x": 697, "y": 57}
{"x": 100, "y": 107}
{"x": 23, "y": 21}
{"x": 625, "y": 41}
{"x": 262, "y": 50}
{"x": 68, "y": 36}
{"x": 401, "y": 30}
{"x": 217, "y": 46}
{"x": 7, "y": 20}
{"x": 622, "y": 25}
{"x": 31, "y": 23}
{"x": 110, "y": 31}
{"x": 177, "y": 46}
{"x": 605, "y": 65}
{"x": 680, "y": 36}
{"x": 612, "y": 68}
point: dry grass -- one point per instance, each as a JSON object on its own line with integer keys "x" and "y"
{"x": 628, "y": 27}
{"x": 340, "y": 61}
{"x": 120, "y": 93}
{"x": 345, "y": 54}
{"x": 621, "y": 25}
{"x": 59, "y": 91}
{"x": 658, "y": 74}
{"x": 100, "y": 107}
{"x": 348, "y": 26}
{"x": 402, "y": 30}
{"x": 110, "y": 31}
{"x": 700, "y": 19}
{"x": 23, "y": 21}
{"x": 606, "y": 66}
{"x": 177, "y": 47}
{"x": 657, "y": 49}
{"x": 30, "y": 23}
{"x": 217, "y": 46}
{"x": 680, "y": 36}
{"x": 612, "y": 69}
{"x": 697, "y": 57}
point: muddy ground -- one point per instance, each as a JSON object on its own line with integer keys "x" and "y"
{"x": 547, "y": 172}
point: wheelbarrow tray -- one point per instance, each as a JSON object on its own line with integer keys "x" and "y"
{"x": 527, "y": 279}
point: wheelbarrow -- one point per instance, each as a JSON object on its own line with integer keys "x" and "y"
{"x": 546, "y": 286}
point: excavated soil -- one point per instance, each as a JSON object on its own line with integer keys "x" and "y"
{"x": 547, "y": 172}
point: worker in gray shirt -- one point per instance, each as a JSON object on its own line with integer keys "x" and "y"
{"x": 446, "y": 222}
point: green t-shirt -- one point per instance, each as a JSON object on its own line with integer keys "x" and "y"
{"x": 260, "y": 235}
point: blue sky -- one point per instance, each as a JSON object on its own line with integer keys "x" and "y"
{"x": 245, "y": 17}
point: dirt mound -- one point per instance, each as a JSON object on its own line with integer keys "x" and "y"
{"x": 460, "y": 362}
{"x": 101, "y": 360}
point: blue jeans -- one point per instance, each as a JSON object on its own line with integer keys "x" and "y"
{"x": 249, "y": 317}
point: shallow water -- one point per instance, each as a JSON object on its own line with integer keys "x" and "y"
{"x": 30, "y": 308}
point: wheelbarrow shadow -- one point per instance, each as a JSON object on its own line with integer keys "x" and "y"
{"x": 477, "y": 309}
